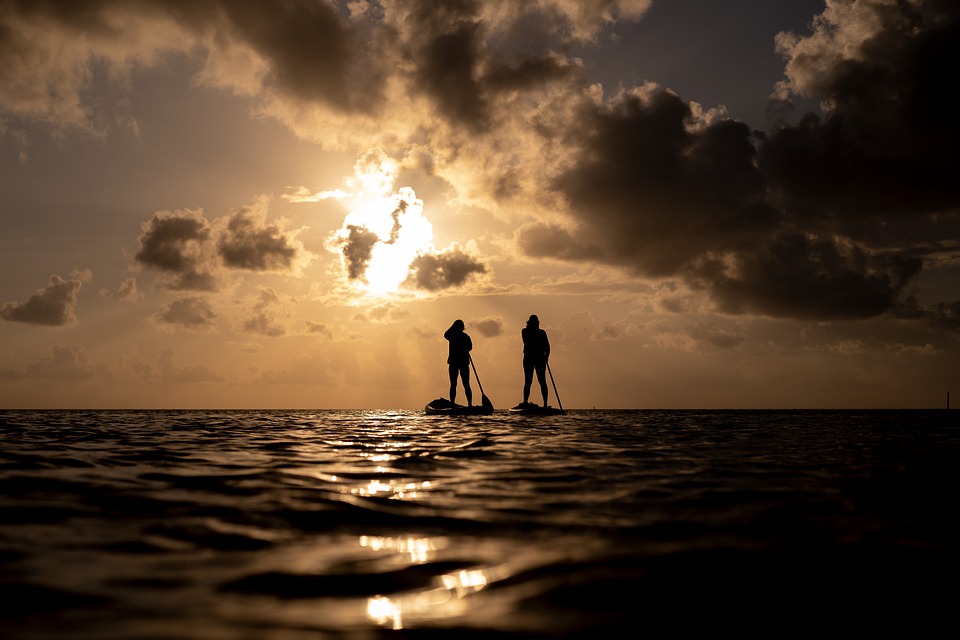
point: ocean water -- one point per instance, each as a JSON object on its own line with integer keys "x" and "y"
{"x": 295, "y": 525}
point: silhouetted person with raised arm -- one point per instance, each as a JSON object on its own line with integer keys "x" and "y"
{"x": 458, "y": 360}
{"x": 536, "y": 352}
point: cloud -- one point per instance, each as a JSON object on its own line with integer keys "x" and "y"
{"x": 263, "y": 320}
{"x": 186, "y": 375}
{"x": 248, "y": 242}
{"x": 357, "y": 250}
{"x": 127, "y": 291}
{"x": 796, "y": 276}
{"x": 831, "y": 218}
{"x": 319, "y": 328}
{"x": 887, "y": 142}
{"x": 388, "y": 312}
{"x": 715, "y": 337}
{"x": 174, "y": 242}
{"x": 651, "y": 192}
{"x": 64, "y": 363}
{"x": 54, "y": 305}
{"x": 443, "y": 270}
{"x": 193, "y": 252}
{"x": 189, "y": 312}
{"x": 163, "y": 369}
{"x": 489, "y": 327}
{"x": 859, "y": 197}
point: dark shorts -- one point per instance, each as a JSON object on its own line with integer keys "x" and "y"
{"x": 462, "y": 369}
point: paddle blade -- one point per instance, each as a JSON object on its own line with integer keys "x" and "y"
{"x": 486, "y": 402}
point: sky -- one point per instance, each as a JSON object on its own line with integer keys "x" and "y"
{"x": 251, "y": 204}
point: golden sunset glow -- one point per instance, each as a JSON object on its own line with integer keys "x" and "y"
{"x": 286, "y": 206}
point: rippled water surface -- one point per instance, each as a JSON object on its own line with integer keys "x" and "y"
{"x": 375, "y": 524}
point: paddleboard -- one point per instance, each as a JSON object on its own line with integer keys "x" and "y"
{"x": 531, "y": 409}
{"x": 443, "y": 407}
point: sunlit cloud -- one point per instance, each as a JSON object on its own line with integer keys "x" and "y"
{"x": 302, "y": 194}
{"x": 385, "y": 241}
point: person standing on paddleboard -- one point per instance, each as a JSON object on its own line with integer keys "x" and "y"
{"x": 458, "y": 360}
{"x": 536, "y": 352}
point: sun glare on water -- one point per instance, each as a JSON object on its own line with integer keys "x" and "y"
{"x": 384, "y": 230}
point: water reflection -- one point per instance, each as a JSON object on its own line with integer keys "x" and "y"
{"x": 392, "y": 489}
{"x": 442, "y": 600}
{"x": 418, "y": 549}
{"x": 384, "y": 611}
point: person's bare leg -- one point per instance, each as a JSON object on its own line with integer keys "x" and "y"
{"x": 542, "y": 379}
{"x": 527, "y": 382}
{"x": 453, "y": 385}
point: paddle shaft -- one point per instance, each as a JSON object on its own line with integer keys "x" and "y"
{"x": 554, "y": 386}
{"x": 483, "y": 396}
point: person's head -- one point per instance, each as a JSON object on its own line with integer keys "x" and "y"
{"x": 458, "y": 325}
{"x": 533, "y": 321}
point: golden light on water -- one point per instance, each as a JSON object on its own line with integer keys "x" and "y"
{"x": 392, "y": 489}
{"x": 418, "y": 549}
{"x": 464, "y": 582}
{"x": 443, "y": 601}
{"x": 384, "y": 611}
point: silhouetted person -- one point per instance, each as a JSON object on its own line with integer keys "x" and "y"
{"x": 536, "y": 352}
{"x": 458, "y": 360}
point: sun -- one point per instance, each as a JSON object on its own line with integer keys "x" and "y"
{"x": 383, "y": 232}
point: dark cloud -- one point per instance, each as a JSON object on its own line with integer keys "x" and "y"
{"x": 54, "y": 305}
{"x": 310, "y": 52}
{"x": 651, "y": 193}
{"x": 249, "y": 243}
{"x": 545, "y": 240}
{"x": 192, "y": 252}
{"x": 190, "y": 312}
{"x": 437, "y": 271}
{"x": 447, "y": 72}
{"x": 357, "y": 248}
{"x": 830, "y": 218}
{"x": 888, "y": 143}
{"x": 173, "y": 242}
{"x": 307, "y": 44}
{"x": 946, "y": 315}
{"x": 796, "y": 276}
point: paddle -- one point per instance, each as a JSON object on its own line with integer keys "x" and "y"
{"x": 554, "y": 386}
{"x": 483, "y": 397}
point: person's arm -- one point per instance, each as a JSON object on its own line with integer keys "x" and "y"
{"x": 468, "y": 342}
{"x": 448, "y": 332}
{"x": 546, "y": 345}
